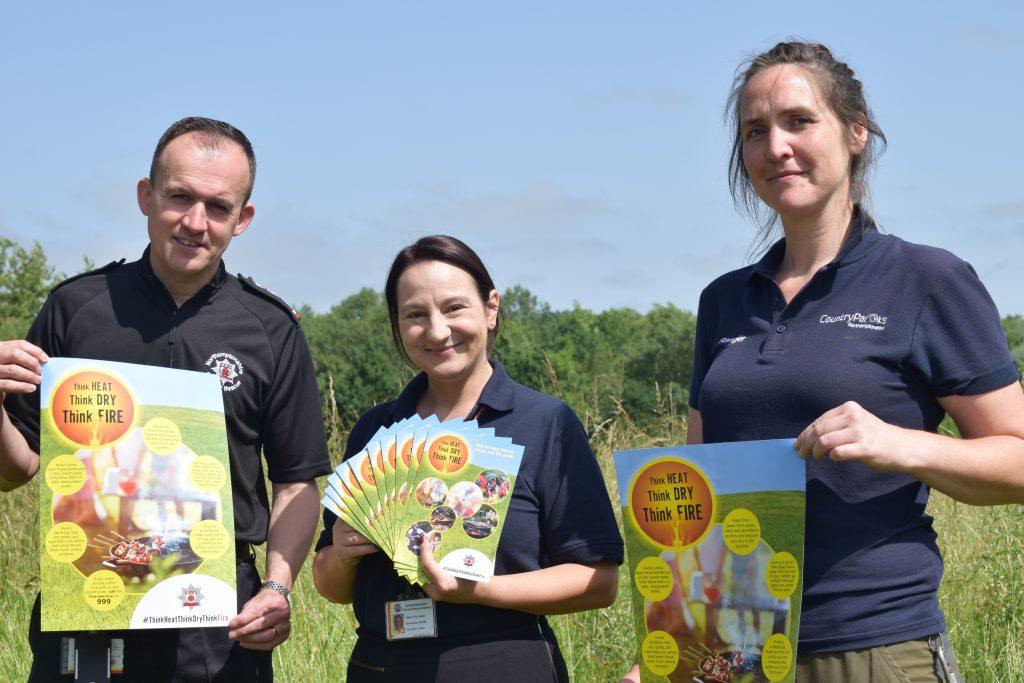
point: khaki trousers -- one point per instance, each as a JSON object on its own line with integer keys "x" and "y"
{"x": 928, "y": 660}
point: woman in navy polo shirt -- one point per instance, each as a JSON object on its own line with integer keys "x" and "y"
{"x": 858, "y": 344}
{"x": 560, "y": 546}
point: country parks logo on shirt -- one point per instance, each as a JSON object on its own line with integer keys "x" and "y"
{"x": 865, "y": 321}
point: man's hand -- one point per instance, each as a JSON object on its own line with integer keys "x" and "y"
{"x": 21, "y": 367}
{"x": 264, "y": 622}
{"x": 21, "y": 371}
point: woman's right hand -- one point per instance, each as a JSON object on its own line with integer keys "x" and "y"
{"x": 350, "y": 545}
{"x": 335, "y": 566}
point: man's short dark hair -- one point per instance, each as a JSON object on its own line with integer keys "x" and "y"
{"x": 211, "y": 133}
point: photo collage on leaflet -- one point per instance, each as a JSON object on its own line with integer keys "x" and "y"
{"x": 421, "y": 481}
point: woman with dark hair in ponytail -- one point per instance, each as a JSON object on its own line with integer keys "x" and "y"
{"x": 858, "y": 344}
{"x": 560, "y": 547}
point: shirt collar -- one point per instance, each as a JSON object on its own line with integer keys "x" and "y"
{"x": 862, "y": 239}
{"x": 497, "y": 394}
{"x": 147, "y": 272}
{"x": 499, "y": 391}
{"x": 405, "y": 404}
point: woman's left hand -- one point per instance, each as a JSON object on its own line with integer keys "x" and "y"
{"x": 560, "y": 589}
{"x": 444, "y": 587}
{"x": 850, "y": 432}
{"x": 982, "y": 468}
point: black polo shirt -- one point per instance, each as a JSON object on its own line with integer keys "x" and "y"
{"x": 231, "y": 327}
{"x": 560, "y": 511}
{"x": 891, "y": 325}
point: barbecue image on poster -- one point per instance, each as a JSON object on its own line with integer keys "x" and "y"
{"x": 135, "y": 517}
{"x": 714, "y": 539}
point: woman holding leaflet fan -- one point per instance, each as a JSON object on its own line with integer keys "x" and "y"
{"x": 857, "y": 343}
{"x": 560, "y": 546}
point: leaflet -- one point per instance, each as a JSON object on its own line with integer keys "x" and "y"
{"x": 419, "y": 481}
{"x": 135, "y": 511}
{"x": 714, "y": 537}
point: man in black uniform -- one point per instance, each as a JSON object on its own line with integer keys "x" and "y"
{"x": 177, "y": 306}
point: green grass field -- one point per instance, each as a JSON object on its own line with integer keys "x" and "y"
{"x": 981, "y": 594}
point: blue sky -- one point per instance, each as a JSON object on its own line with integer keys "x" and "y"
{"x": 578, "y": 146}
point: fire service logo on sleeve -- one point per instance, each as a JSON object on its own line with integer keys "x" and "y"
{"x": 228, "y": 369}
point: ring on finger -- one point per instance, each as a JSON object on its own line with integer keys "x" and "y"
{"x": 274, "y": 629}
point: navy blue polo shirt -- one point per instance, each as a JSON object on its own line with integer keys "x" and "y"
{"x": 888, "y": 324}
{"x": 559, "y": 513}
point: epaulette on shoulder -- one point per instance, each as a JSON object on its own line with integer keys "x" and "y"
{"x": 113, "y": 265}
{"x": 256, "y": 288}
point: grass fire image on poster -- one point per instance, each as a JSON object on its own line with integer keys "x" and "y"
{"x": 135, "y": 517}
{"x": 714, "y": 539}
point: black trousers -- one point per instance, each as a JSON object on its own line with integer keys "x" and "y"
{"x": 187, "y": 655}
{"x": 527, "y": 654}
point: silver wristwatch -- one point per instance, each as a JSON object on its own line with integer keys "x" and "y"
{"x": 280, "y": 588}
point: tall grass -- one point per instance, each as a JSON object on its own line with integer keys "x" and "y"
{"x": 19, "y": 577}
{"x": 981, "y": 593}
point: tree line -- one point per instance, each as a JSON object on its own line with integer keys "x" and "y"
{"x": 613, "y": 364}
{"x": 602, "y": 364}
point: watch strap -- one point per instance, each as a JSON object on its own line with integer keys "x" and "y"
{"x": 279, "y": 588}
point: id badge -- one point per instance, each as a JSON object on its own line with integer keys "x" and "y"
{"x": 411, "y": 619}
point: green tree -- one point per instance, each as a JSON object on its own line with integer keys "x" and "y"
{"x": 1013, "y": 327}
{"x": 352, "y": 349}
{"x": 25, "y": 280}
{"x": 518, "y": 344}
{"x": 519, "y": 303}
{"x": 600, "y": 363}
{"x": 659, "y": 363}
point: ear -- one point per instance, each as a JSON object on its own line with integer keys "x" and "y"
{"x": 143, "y": 192}
{"x": 858, "y": 138}
{"x": 492, "y": 305}
{"x": 244, "y": 218}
